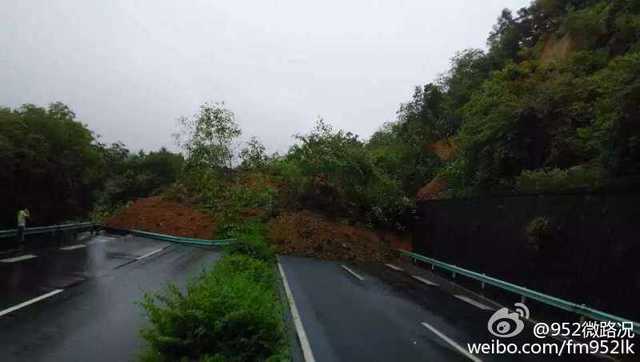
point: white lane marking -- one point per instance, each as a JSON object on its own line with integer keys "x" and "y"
{"x": 425, "y": 281}
{"x": 101, "y": 239}
{"x": 30, "y": 301}
{"x": 397, "y": 268}
{"x": 150, "y": 253}
{"x": 473, "y": 302}
{"x": 302, "y": 335}
{"x": 352, "y": 272}
{"x": 73, "y": 247}
{"x": 18, "y": 258}
{"x": 451, "y": 342}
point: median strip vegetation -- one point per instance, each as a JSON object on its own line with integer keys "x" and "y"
{"x": 230, "y": 312}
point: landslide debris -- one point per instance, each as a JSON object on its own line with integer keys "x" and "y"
{"x": 309, "y": 234}
{"x": 156, "y": 214}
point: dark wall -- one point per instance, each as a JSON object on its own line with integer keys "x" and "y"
{"x": 589, "y": 253}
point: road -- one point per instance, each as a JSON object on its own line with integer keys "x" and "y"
{"x": 78, "y": 303}
{"x": 90, "y": 311}
{"x": 376, "y": 313}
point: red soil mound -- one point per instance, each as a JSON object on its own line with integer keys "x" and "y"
{"x": 155, "y": 214}
{"x": 308, "y": 234}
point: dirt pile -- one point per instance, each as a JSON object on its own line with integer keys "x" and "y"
{"x": 309, "y": 234}
{"x": 155, "y": 214}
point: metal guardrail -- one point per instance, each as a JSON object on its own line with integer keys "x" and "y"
{"x": 173, "y": 239}
{"x": 47, "y": 229}
{"x": 580, "y": 309}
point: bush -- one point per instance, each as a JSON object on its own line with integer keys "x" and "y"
{"x": 256, "y": 270}
{"x": 250, "y": 242}
{"x": 229, "y": 313}
{"x": 539, "y": 232}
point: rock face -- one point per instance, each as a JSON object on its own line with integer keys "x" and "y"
{"x": 155, "y": 214}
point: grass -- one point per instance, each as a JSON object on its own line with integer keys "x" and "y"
{"x": 231, "y": 312}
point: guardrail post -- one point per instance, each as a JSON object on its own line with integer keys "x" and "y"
{"x": 523, "y": 299}
{"x": 482, "y": 284}
{"x": 453, "y": 275}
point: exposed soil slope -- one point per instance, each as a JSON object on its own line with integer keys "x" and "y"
{"x": 155, "y": 214}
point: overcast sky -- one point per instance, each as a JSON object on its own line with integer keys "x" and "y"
{"x": 129, "y": 69}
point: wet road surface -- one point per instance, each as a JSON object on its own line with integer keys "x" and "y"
{"x": 349, "y": 312}
{"x": 95, "y": 316}
{"x": 376, "y": 313}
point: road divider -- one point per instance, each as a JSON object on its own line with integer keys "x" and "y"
{"x": 524, "y": 293}
{"x": 170, "y": 238}
{"x": 30, "y": 301}
{"x": 49, "y": 229}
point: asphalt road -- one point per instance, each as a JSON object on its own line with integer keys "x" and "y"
{"x": 380, "y": 315}
{"x": 95, "y": 316}
{"x": 89, "y": 291}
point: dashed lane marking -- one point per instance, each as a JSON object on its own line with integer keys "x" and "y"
{"x": 394, "y": 267}
{"x": 352, "y": 272}
{"x": 302, "y": 335}
{"x": 473, "y": 302}
{"x": 29, "y": 302}
{"x": 18, "y": 258}
{"x": 149, "y": 254}
{"x": 425, "y": 281}
{"x": 73, "y": 247}
{"x": 451, "y": 342}
{"x": 101, "y": 239}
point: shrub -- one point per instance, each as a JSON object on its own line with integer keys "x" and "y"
{"x": 539, "y": 232}
{"x": 229, "y": 313}
{"x": 256, "y": 270}
{"x": 250, "y": 241}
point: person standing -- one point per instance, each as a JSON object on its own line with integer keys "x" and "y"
{"x": 23, "y": 215}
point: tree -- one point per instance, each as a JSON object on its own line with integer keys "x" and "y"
{"x": 254, "y": 156}
{"x": 208, "y": 137}
{"x": 49, "y": 162}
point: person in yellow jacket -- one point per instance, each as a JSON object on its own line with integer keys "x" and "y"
{"x": 23, "y": 215}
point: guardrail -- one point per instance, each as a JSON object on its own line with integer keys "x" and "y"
{"x": 47, "y": 229}
{"x": 171, "y": 238}
{"x": 579, "y": 309}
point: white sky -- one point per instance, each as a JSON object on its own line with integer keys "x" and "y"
{"x": 129, "y": 69}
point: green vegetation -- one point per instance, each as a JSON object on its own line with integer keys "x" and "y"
{"x": 250, "y": 241}
{"x": 551, "y": 105}
{"x": 231, "y": 312}
{"x": 539, "y": 232}
{"x": 54, "y": 165}
{"x": 565, "y": 97}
